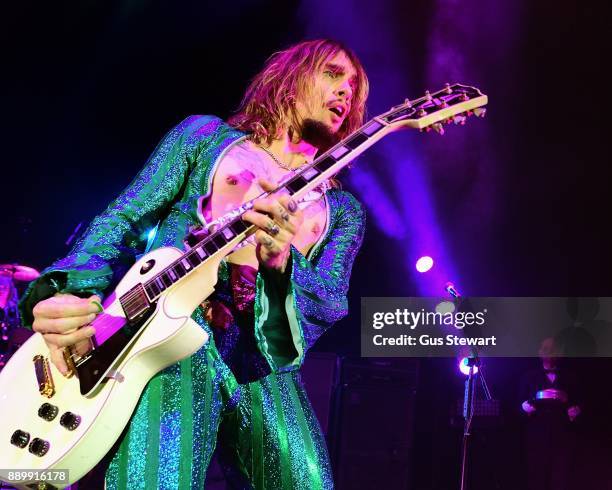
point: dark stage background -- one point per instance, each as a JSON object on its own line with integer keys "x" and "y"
{"x": 516, "y": 204}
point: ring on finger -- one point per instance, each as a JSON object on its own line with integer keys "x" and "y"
{"x": 292, "y": 206}
{"x": 273, "y": 228}
{"x": 283, "y": 213}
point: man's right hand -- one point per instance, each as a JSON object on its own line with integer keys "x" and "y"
{"x": 60, "y": 320}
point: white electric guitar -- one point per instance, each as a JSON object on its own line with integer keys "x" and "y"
{"x": 51, "y": 422}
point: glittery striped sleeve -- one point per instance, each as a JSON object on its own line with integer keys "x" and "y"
{"x": 317, "y": 287}
{"x": 113, "y": 239}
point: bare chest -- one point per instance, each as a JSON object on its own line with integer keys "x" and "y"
{"x": 236, "y": 181}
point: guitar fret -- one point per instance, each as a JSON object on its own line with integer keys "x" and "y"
{"x": 200, "y": 252}
{"x": 179, "y": 269}
{"x": 310, "y": 173}
{"x": 339, "y": 152}
{"x": 166, "y": 280}
{"x": 150, "y": 290}
{"x": 219, "y": 241}
{"x": 372, "y": 127}
{"x": 193, "y": 259}
{"x": 210, "y": 247}
{"x": 239, "y": 226}
{"x": 227, "y": 233}
{"x": 154, "y": 288}
{"x": 301, "y": 180}
{"x": 293, "y": 186}
{"x": 400, "y": 113}
{"x": 356, "y": 141}
{"x": 324, "y": 164}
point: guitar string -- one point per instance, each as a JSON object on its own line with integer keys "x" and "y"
{"x": 133, "y": 298}
{"x": 129, "y": 299}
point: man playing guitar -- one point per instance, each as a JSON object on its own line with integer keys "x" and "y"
{"x": 274, "y": 296}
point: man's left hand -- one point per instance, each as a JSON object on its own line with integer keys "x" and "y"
{"x": 278, "y": 219}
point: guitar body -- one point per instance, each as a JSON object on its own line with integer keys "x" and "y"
{"x": 167, "y": 336}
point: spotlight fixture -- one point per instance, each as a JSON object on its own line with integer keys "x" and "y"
{"x": 424, "y": 264}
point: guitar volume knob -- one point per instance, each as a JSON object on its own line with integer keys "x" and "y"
{"x": 39, "y": 447}
{"x": 20, "y": 438}
{"x": 48, "y": 411}
{"x": 70, "y": 420}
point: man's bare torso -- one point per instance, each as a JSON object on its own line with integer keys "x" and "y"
{"x": 235, "y": 182}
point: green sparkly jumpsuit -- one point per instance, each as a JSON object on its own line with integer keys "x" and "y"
{"x": 263, "y": 420}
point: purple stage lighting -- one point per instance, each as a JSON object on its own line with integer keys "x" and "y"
{"x": 465, "y": 368}
{"x": 424, "y": 263}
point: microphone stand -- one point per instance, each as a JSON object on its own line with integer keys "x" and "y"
{"x": 468, "y": 414}
{"x": 468, "y": 395}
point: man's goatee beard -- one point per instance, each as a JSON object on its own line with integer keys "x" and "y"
{"x": 318, "y": 135}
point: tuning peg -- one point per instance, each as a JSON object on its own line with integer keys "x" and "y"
{"x": 438, "y": 128}
{"x": 447, "y": 88}
{"x": 428, "y": 96}
{"x": 407, "y": 103}
{"x": 459, "y": 119}
{"x": 480, "y": 112}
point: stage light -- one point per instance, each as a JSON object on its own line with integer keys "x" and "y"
{"x": 464, "y": 366}
{"x": 151, "y": 234}
{"x": 424, "y": 263}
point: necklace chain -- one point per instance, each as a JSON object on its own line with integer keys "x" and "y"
{"x": 278, "y": 162}
{"x": 321, "y": 189}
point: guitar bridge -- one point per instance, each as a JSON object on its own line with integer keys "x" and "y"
{"x": 43, "y": 376}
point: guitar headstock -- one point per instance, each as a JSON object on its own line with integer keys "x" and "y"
{"x": 452, "y": 104}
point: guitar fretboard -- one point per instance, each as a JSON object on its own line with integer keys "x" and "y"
{"x": 418, "y": 113}
{"x": 300, "y": 182}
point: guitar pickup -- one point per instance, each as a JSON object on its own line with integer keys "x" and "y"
{"x": 43, "y": 376}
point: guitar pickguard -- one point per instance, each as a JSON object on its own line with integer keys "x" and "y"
{"x": 98, "y": 362}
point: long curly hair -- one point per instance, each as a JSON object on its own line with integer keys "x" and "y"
{"x": 269, "y": 101}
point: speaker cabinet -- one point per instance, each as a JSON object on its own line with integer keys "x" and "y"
{"x": 372, "y": 442}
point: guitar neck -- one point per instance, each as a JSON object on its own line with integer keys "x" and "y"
{"x": 334, "y": 160}
{"x": 231, "y": 230}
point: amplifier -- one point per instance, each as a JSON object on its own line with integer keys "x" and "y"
{"x": 372, "y": 442}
